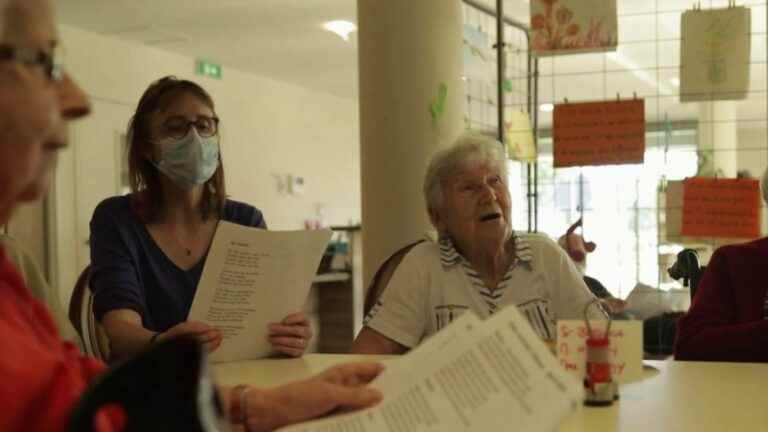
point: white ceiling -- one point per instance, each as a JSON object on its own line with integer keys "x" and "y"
{"x": 284, "y": 40}
{"x": 280, "y": 39}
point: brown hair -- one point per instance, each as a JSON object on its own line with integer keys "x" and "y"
{"x": 147, "y": 196}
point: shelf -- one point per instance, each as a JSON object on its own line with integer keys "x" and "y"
{"x": 332, "y": 277}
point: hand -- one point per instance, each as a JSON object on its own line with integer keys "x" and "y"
{"x": 291, "y": 336}
{"x": 205, "y": 334}
{"x": 340, "y": 387}
{"x": 616, "y": 305}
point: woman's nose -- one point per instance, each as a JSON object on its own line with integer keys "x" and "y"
{"x": 73, "y": 102}
{"x": 488, "y": 192}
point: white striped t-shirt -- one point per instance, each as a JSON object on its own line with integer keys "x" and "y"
{"x": 434, "y": 285}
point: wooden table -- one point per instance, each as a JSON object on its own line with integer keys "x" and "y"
{"x": 672, "y": 396}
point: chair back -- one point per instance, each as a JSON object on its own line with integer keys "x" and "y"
{"x": 175, "y": 392}
{"x": 95, "y": 341}
{"x": 687, "y": 268}
{"x": 383, "y": 275}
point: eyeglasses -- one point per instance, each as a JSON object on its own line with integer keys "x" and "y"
{"x": 50, "y": 62}
{"x": 178, "y": 127}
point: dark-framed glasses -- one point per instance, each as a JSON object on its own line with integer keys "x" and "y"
{"x": 178, "y": 127}
{"x": 49, "y": 61}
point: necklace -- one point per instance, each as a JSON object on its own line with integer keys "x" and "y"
{"x": 186, "y": 250}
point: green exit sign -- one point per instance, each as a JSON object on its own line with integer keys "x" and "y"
{"x": 209, "y": 69}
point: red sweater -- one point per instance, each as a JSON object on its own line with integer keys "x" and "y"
{"x": 42, "y": 377}
{"x": 725, "y": 321}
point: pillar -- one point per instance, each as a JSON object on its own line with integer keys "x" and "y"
{"x": 407, "y": 51}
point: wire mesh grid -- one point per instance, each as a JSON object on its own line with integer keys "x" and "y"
{"x": 625, "y": 207}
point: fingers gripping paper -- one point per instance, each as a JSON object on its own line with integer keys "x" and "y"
{"x": 253, "y": 277}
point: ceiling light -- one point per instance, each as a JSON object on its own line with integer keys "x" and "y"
{"x": 341, "y": 28}
{"x": 675, "y": 82}
{"x": 547, "y": 107}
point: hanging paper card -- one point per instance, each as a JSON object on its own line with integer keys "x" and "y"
{"x": 519, "y": 137}
{"x": 573, "y": 26}
{"x": 599, "y": 133}
{"x": 478, "y": 62}
{"x": 721, "y": 207}
{"x": 714, "y": 57}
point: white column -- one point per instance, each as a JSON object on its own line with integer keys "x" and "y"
{"x": 407, "y": 49}
{"x": 718, "y": 138}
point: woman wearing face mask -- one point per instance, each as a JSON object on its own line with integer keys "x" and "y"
{"x": 148, "y": 248}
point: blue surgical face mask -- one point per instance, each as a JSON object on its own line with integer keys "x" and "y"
{"x": 189, "y": 161}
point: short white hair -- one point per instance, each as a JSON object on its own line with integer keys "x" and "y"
{"x": 468, "y": 150}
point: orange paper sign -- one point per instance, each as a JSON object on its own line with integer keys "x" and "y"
{"x": 599, "y": 133}
{"x": 721, "y": 207}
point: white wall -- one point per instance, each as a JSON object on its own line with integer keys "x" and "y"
{"x": 753, "y": 151}
{"x": 268, "y": 128}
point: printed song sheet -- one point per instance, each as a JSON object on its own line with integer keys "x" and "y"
{"x": 471, "y": 376}
{"x": 253, "y": 277}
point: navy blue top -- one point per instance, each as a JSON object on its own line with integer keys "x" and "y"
{"x": 130, "y": 271}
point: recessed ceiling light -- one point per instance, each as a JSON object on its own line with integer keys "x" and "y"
{"x": 675, "y": 81}
{"x": 547, "y": 107}
{"x": 341, "y": 28}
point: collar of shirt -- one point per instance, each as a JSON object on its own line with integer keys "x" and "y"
{"x": 450, "y": 257}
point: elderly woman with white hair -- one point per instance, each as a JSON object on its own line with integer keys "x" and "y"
{"x": 728, "y": 318}
{"x": 479, "y": 262}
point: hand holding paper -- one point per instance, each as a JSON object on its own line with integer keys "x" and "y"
{"x": 291, "y": 336}
{"x": 472, "y": 376}
{"x": 254, "y": 277}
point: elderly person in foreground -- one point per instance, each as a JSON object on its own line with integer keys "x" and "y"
{"x": 728, "y": 318}
{"x": 44, "y": 377}
{"x": 479, "y": 262}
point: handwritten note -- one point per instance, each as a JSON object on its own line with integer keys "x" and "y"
{"x": 599, "y": 133}
{"x": 721, "y": 207}
{"x": 626, "y": 348}
{"x": 714, "y": 57}
{"x": 519, "y": 137}
{"x": 253, "y": 277}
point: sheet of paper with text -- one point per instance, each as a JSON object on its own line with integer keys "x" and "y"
{"x": 471, "y": 376}
{"x": 253, "y": 277}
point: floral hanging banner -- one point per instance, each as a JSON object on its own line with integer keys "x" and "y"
{"x": 573, "y": 26}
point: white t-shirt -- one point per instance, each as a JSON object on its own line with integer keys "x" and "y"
{"x": 434, "y": 285}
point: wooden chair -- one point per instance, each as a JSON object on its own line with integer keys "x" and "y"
{"x": 95, "y": 341}
{"x": 383, "y": 275}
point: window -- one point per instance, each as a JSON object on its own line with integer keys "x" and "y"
{"x": 620, "y": 205}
